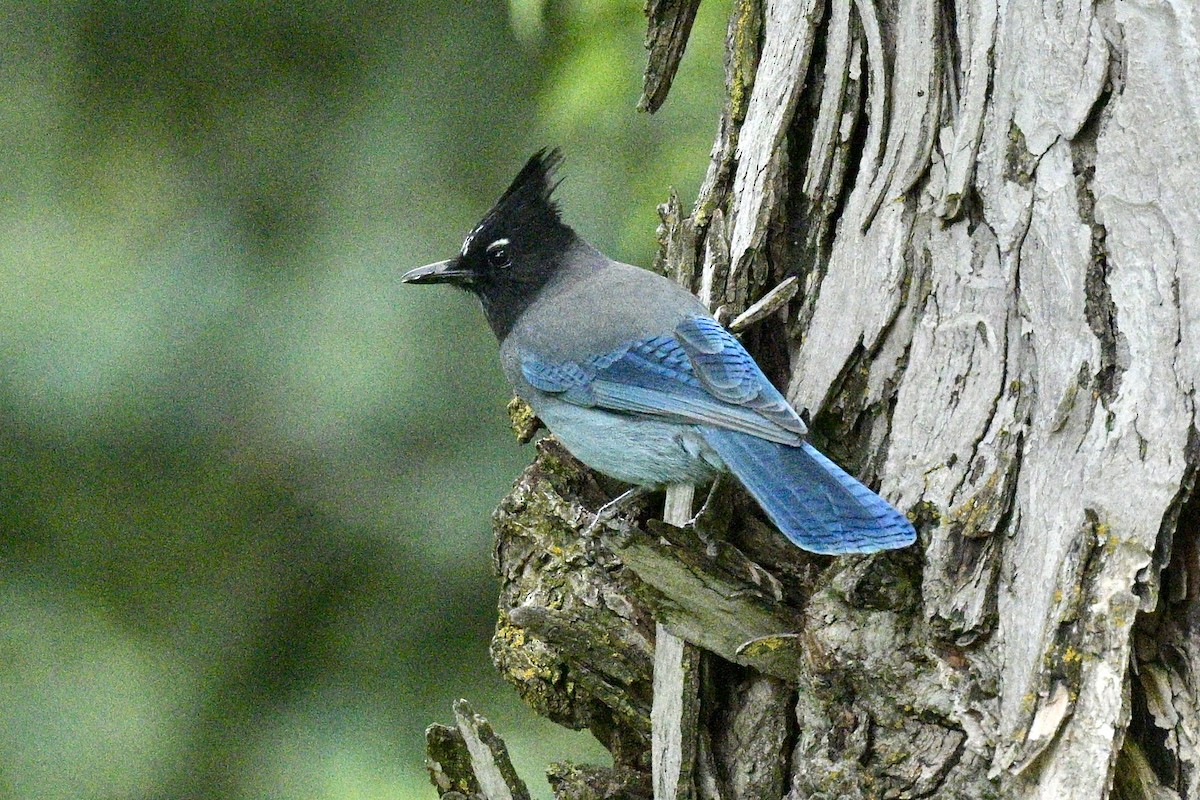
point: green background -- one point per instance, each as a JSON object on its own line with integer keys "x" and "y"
{"x": 245, "y": 476}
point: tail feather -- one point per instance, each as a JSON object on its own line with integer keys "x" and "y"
{"x": 813, "y": 501}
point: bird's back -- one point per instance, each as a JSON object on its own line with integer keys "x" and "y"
{"x": 594, "y": 308}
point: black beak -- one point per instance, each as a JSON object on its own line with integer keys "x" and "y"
{"x": 447, "y": 271}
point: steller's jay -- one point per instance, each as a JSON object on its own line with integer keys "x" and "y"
{"x": 637, "y": 379}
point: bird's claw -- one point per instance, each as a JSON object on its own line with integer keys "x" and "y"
{"x": 711, "y": 543}
{"x": 610, "y": 509}
{"x": 589, "y": 532}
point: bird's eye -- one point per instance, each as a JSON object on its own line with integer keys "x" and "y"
{"x": 498, "y": 255}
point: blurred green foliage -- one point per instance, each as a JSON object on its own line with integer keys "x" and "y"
{"x": 246, "y": 478}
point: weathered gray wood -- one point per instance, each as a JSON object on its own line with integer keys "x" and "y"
{"x": 670, "y": 23}
{"x": 741, "y": 62}
{"x": 676, "y": 258}
{"x": 449, "y": 763}
{"x": 674, "y": 717}
{"x": 571, "y": 637}
{"x": 489, "y": 756}
{"x": 767, "y": 305}
{"x": 916, "y": 102}
{"x": 879, "y": 99}
{"x": 724, "y": 602}
{"x": 470, "y": 760}
{"x": 828, "y": 125}
{"x": 677, "y": 505}
{"x": 976, "y": 35}
{"x": 840, "y": 87}
{"x": 586, "y": 782}
{"x": 715, "y": 288}
{"x": 789, "y": 31}
{"x": 1013, "y": 422}
{"x": 752, "y": 737}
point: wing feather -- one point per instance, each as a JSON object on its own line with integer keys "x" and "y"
{"x": 700, "y": 374}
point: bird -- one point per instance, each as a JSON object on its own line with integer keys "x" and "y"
{"x": 639, "y": 381}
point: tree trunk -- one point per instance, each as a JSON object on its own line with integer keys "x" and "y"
{"x": 965, "y": 235}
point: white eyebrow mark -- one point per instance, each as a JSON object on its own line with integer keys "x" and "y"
{"x": 498, "y": 243}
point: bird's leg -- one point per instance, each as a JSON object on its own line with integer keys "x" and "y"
{"x": 691, "y": 523}
{"x": 612, "y": 507}
{"x": 711, "y": 522}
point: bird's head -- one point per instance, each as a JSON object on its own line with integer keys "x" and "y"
{"x": 518, "y": 247}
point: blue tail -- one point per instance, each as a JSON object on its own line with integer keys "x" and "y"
{"x": 813, "y": 501}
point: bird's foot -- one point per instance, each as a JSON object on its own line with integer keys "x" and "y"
{"x": 612, "y": 508}
{"x": 711, "y": 544}
{"x": 706, "y": 524}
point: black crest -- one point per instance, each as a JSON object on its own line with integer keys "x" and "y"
{"x": 528, "y": 198}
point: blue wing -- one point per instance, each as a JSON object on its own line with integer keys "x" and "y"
{"x": 700, "y": 374}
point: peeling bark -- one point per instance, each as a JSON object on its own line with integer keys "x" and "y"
{"x": 964, "y": 235}
{"x": 670, "y": 24}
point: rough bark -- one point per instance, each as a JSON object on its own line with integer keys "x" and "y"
{"x": 964, "y": 235}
